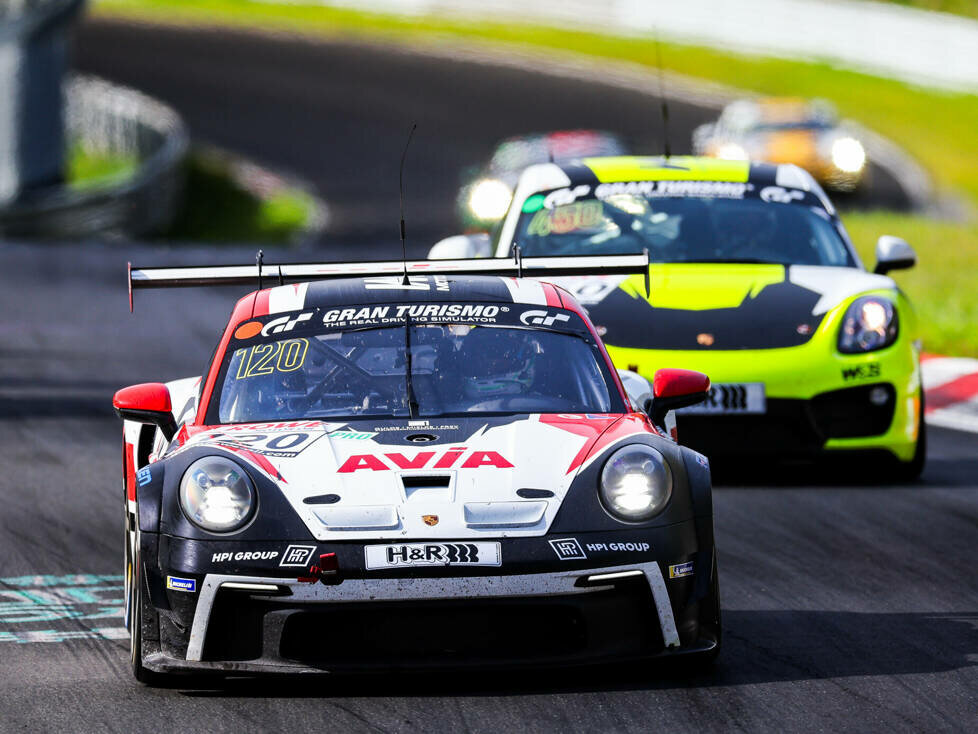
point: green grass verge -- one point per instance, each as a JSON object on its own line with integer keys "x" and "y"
{"x": 89, "y": 169}
{"x": 217, "y": 209}
{"x": 967, "y": 8}
{"x": 940, "y": 129}
{"x": 942, "y": 286}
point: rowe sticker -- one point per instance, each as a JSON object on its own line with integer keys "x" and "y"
{"x": 432, "y": 554}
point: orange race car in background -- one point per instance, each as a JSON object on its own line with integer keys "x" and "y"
{"x": 787, "y": 130}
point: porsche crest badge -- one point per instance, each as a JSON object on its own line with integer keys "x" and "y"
{"x": 430, "y": 519}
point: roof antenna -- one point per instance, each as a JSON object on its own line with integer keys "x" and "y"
{"x": 259, "y": 261}
{"x": 405, "y": 281}
{"x": 664, "y": 106}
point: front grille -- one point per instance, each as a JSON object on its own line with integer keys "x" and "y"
{"x": 786, "y": 428}
{"x": 793, "y": 427}
{"x": 853, "y": 412}
{"x": 620, "y": 622}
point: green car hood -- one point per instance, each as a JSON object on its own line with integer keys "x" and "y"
{"x": 718, "y": 306}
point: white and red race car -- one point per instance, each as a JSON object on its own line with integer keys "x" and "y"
{"x": 393, "y": 472}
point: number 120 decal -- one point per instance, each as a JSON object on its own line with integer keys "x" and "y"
{"x": 264, "y": 359}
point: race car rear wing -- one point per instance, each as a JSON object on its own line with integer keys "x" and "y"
{"x": 263, "y": 274}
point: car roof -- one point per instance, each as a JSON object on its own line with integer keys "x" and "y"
{"x": 659, "y": 168}
{"x": 422, "y": 288}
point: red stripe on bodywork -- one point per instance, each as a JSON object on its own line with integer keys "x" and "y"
{"x": 258, "y": 460}
{"x": 956, "y": 391}
{"x": 550, "y": 293}
{"x": 261, "y": 304}
{"x": 600, "y": 431}
{"x": 633, "y": 424}
{"x": 130, "y": 469}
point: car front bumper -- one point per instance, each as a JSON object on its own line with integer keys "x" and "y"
{"x": 817, "y": 399}
{"x": 238, "y": 623}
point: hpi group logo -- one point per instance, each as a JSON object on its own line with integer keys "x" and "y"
{"x": 568, "y": 549}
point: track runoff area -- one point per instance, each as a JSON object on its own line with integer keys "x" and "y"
{"x": 847, "y": 605}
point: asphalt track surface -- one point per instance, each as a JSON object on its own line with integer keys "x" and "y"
{"x": 847, "y": 606}
{"x": 339, "y": 116}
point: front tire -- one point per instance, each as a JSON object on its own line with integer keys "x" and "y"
{"x": 135, "y": 603}
{"x": 700, "y": 663}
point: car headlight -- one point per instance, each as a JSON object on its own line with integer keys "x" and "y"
{"x": 870, "y": 323}
{"x": 636, "y": 483}
{"x": 490, "y": 199}
{"x": 848, "y": 155}
{"x": 217, "y": 495}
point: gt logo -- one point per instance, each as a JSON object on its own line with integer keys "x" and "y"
{"x": 542, "y": 318}
{"x": 780, "y": 195}
{"x": 277, "y": 326}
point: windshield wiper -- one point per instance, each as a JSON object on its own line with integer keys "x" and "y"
{"x": 409, "y": 385}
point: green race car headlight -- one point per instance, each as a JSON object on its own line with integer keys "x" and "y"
{"x": 636, "y": 483}
{"x": 490, "y": 199}
{"x": 870, "y": 323}
{"x": 217, "y": 495}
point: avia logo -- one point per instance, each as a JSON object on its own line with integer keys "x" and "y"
{"x": 285, "y": 323}
{"x": 425, "y": 460}
{"x": 542, "y": 318}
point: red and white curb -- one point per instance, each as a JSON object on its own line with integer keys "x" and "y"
{"x": 950, "y": 391}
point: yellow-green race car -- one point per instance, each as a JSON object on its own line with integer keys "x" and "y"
{"x": 755, "y": 282}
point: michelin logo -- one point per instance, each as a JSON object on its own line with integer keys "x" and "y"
{"x": 177, "y": 584}
{"x": 680, "y": 570}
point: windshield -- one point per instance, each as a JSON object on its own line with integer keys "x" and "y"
{"x": 629, "y": 218}
{"x": 456, "y": 369}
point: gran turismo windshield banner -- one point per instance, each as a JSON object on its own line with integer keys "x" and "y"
{"x": 318, "y": 320}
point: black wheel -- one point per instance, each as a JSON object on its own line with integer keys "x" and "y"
{"x": 711, "y": 618}
{"x": 135, "y": 602}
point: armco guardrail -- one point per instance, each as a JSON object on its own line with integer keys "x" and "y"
{"x": 105, "y": 118}
{"x": 34, "y": 37}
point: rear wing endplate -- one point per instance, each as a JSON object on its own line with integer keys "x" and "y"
{"x": 263, "y": 274}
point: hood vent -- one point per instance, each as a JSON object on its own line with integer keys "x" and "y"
{"x": 428, "y": 487}
{"x": 376, "y": 517}
{"x": 503, "y": 514}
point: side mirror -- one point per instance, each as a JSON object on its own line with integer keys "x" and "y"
{"x": 673, "y": 389}
{"x": 462, "y": 246}
{"x": 147, "y": 403}
{"x": 893, "y": 253}
{"x": 638, "y": 389}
